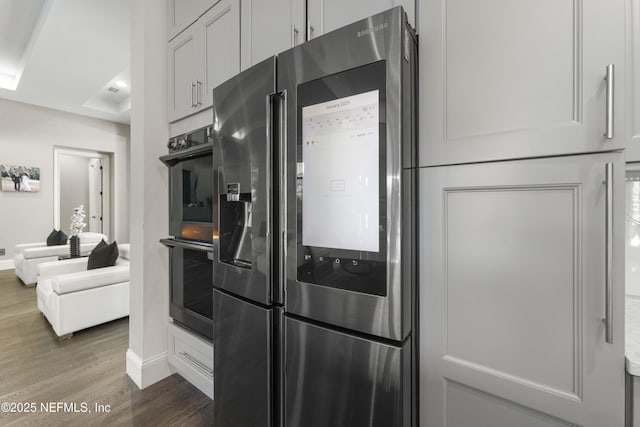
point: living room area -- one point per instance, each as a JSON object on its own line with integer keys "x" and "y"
{"x": 81, "y": 346}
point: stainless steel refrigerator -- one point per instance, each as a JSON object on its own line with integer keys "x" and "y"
{"x": 314, "y": 272}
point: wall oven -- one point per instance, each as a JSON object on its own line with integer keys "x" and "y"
{"x": 191, "y": 186}
{"x": 191, "y": 227}
{"x": 191, "y": 290}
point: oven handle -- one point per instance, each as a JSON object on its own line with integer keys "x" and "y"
{"x": 175, "y": 243}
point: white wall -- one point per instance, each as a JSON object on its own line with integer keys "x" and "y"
{"x": 149, "y": 291}
{"x": 28, "y": 135}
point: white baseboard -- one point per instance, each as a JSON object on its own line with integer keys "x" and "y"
{"x": 6, "y": 264}
{"x": 150, "y": 371}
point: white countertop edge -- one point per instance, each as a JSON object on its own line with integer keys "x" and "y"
{"x": 632, "y": 335}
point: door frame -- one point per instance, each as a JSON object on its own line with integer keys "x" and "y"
{"x": 107, "y": 183}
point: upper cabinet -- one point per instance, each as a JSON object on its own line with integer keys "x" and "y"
{"x": 327, "y": 15}
{"x": 182, "y": 13}
{"x": 633, "y": 60}
{"x": 270, "y": 27}
{"x": 503, "y": 79}
{"x": 201, "y": 57}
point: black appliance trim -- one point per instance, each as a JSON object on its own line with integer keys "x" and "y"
{"x": 187, "y": 244}
{"x": 178, "y": 156}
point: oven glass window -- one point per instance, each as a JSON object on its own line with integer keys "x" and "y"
{"x": 197, "y": 282}
{"x": 197, "y": 199}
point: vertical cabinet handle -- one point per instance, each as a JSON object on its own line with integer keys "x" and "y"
{"x": 193, "y": 89}
{"x": 198, "y": 101}
{"x": 296, "y": 32}
{"x": 608, "y": 318}
{"x": 609, "y": 79}
{"x": 309, "y": 30}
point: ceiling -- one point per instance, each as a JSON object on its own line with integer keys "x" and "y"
{"x": 69, "y": 55}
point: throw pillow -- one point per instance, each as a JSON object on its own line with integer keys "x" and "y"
{"x": 103, "y": 255}
{"x": 56, "y": 237}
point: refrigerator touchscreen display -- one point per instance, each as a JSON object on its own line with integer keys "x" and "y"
{"x": 341, "y": 186}
{"x": 340, "y": 151}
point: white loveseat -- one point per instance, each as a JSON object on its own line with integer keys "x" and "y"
{"x": 28, "y": 256}
{"x": 74, "y": 298}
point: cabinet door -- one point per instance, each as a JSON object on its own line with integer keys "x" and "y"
{"x": 270, "y": 27}
{"x": 327, "y": 15}
{"x": 182, "y": 13}
{"x": 183, "y": 71}
{"x": 633, "y": 59}
{"x": 220, "y": 32}
{"x": 501, "y": 80}
{"x": 512, "y": 293}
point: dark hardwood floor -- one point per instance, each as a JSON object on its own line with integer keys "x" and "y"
{"x": 37, "y": 368}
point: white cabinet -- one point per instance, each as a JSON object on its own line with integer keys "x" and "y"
{"x": 183, "y": 73}
{"x": 502, "y": 80}
{"x": 182, "y": 13}
{"x": 270, "y": 27}
{"x": 633, "y": 59}
{"x": 201, "y": 57}
{"x": 327, "y": 15}
{"x": 513, "y": 292}
{"x": 192, "y": 357}
{"x": 221, "y": 46}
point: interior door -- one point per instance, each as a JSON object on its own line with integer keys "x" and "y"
{"x": 95, "y": 194}
{"x": 513, "y": 293}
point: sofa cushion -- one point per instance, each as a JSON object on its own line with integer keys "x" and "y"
{"x": 56, "y": 238}
{"x": 83, "y": 280}
{"x": 103, "y": 255}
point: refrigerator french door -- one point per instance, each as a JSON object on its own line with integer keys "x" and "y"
{"x": 350, "y": 178}
{"x": 247, "y": 301}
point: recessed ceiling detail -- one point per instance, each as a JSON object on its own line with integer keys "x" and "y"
{"x": 66, "y": 54}
{"x": 20, "y": 22}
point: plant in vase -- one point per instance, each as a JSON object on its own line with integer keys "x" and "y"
{"x": 77, "y": 224}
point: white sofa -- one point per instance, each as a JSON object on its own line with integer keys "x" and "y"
{"x": 74, "y": 298}
{"x": 28, "y": 256}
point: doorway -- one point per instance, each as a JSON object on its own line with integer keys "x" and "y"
{"x": 82, "y": 178}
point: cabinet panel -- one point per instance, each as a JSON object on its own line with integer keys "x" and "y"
{"x": 495, "y": 84}
{"x": 182, "y": 13}
{"x": 511, "y": 301}
{"x": 522, "y": 77}
{"x": 633, "y": 58}
{"x": 270, "y": 27}
{"x": 221, "y": 47}
{"x": 183, "y": 71}
{"x": 327, "y": 15}
{"x": 512, "y": 293}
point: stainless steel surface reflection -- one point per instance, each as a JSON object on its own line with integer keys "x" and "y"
{"x": 339, "y": 380}
{"x": 242, "y": 146}
{"x": 243, "y": 370}
{"x": 385, "y": 36}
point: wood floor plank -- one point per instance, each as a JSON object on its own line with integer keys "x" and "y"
{"x": 88, "y": 368}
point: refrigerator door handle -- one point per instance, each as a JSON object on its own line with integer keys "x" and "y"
{"x": 282, "y": 149}
{"x": 269, "y": 187}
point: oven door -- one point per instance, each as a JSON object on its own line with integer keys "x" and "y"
{"x": 191, "y": 193}
{"x": 191, "y": 286}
